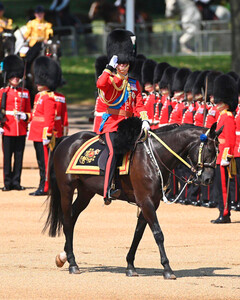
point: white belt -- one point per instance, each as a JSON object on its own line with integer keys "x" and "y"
{"x": 10, "y": 113}
{"x": 237, "y": 132}
{"x": 98, "y": 114}
{"x": 57, "y": 118}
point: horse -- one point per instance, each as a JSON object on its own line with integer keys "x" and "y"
{"x": 149, "y": 171}
{"x": 7, "y": 43}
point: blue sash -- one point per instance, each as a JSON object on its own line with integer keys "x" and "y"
{"x": 105, "y": 116}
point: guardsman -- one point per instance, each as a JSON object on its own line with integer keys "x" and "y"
{"x": 46, "y": 75}
{"x": 100, "y": 107}
{"x": 147, "y": 80}
{"x": 5, "y": 23}
{"x": 158, "y": 72}
{"x": 191, "y": 107}
{"x": 121, "y": 94}
{"x": 225, "y": 95}
{"x": 136, "y": 71}
{"x": 38, "y": 31}
{"x": 15, "y": 109}
{"x": 165, "y": 86}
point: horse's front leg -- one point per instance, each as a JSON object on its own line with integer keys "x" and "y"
{"x": 149, "y": 213}
{"x": 140, "y": 228}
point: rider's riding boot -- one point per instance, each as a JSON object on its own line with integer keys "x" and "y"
{"x": 112, "y": 194}
{"x": 221, "y": 220}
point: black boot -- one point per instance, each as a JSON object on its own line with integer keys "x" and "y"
{"x": 112, "y": 194}
{"x": 222, "y": 220}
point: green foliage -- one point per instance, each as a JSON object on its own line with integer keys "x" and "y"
{"x": 79, "y": 73}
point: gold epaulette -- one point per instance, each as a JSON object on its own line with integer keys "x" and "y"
{"x": 108, "y": 71}
{"x": 229, "y": 113}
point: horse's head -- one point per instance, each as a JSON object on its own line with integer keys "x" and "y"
{"x": 53, "y": 49}
{"x": 203, "y": 155}
{"x": 8, "y": 42}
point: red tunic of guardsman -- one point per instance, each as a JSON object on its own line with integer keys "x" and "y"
{"x": 199, "y": 115}
{"x": 212, "y": 116}
{"x": 150, "y": 105}
{"x": 225, "y": 95}
{"x": 47, "y": 76}
{"x": 165, "y": 111}
{"x": 18, "y": 100}
{"x": 237, "y": 122}
{"x": 42, "y": 117}
{"x": 123, "y": 98}
{"x": 61, "y": 116}
{"x": 178, "y": 110}
{"x": 157, "y": 110}
{"x": 189, "y": 114}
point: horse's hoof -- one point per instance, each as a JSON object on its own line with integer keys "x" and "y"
{"x": 131, "y": 273}
{"x": 61, "y": 259}
{"x": 169, "y": 275}
{"x": 74, "y": 270}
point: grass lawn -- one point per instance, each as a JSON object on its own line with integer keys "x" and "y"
{"x": 79, "y": 73}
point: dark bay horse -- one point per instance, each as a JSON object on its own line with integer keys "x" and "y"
{"x": 142, "y": 186}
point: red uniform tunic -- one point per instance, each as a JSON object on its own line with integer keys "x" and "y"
{"x": 42, "y": 117}
{"x": 150, "y": 104}
{"x": 199, "y": 115}
{"x": 125, "y": 107}
{"x": 227, "y": 138}
{"x": 61, "y": 117}
{"x": 212, "y": 116}
{"x": 165, "y": 111}
{"x": 100, "y": 109}
{"x": 17, "y": 101}
{"x": 189, "y": 114}
{"x": 237, "y": 122}
{"x": 177, "y": 112}
{"x": 158, "y": 107}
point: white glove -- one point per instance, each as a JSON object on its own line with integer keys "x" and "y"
{"x": 224, "y": 163}
{"x": 1, "y": 130}
{"x": 113, "y": 62}
{"x": 145, "y": 125}
{"x": 45, "y": 142}
{"x": 21, "y": 116}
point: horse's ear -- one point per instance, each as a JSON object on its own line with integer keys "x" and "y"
{"x": 219, "y": 131}
{"x": 212, "y": 132}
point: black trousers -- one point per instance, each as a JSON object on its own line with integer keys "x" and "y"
{"x": 41, "y": 162}
{"x": 111, "y": 162}
{"x": 13, "y": 146}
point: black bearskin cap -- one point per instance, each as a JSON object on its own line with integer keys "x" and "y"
{"x": 136, "y": 70}
{"x": 167, "y": 79}
{"x": 47, "y": 72}
{"x": 100, "y": 65}
{"x": 13, "y": 66}
{"x": 122, "y": 43}
{"x": 158, "y": 71}
{"x": 180, "y": 79}
{"x": 148, "y": 71}
{"x": 39, "y": 9}
{"x": 199, "y": 84}
{"x": 225, "y": 90}
{"x": 190, "y": 81}
{"x": 211, "y": 76}
{"x": 234, "y": 75}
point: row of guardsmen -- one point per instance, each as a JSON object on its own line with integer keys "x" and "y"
{"x": 178, "y": 95}
{"x": 46, "y": 122}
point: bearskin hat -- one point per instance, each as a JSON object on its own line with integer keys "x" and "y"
{"x": 13, "y": 66}
{"x": 167, "y": 79}
{"x": 100, "y": 65}
{"x": 180, "y": 79}
{"x": 158, "y": 71}
{"x": 136, "y": 70}
{"x": 148, "y": 70}
{"x": 225, "y": 90}
{"x": 234, "y": 75}
{"x": 47, "y": 72}
{"x": 122, "y": 43}
{"x": 211, "y": 76}
{"x": 199, "y": 84}
{"x": 190, "y": 81}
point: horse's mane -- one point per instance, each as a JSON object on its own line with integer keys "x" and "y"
{"x": 167, "y": 127}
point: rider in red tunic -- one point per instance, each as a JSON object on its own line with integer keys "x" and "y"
{"x": 225, "y": 95}
{"x": 121, "y": 94}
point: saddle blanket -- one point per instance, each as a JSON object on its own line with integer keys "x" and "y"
{"x": 91, "y": 158}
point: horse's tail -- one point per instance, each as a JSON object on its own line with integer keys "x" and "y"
{"x": 55, "y": 217}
